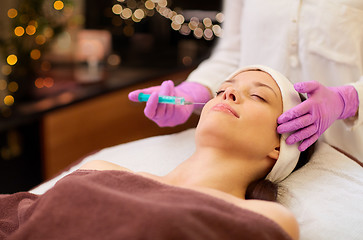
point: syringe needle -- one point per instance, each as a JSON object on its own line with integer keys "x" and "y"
{"x": 190, "y": 103}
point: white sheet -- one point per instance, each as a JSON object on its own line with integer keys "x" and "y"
{"x": 326, "y": 195}
{"x": 157, "y": 155}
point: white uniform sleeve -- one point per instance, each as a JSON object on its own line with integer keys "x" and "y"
{"x": 225, "y": 56}
{"x": 354, "y": 122}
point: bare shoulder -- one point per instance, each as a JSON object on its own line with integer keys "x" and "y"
{"x": 102, "y": 165}
{"x": 278, "y": 213}
{"x": 272, "y": 210}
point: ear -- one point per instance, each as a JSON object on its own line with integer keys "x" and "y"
{"x": 274, "y": 154}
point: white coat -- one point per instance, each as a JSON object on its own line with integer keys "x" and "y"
{"x": 306, "y": 40}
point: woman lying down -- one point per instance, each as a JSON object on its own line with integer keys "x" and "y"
{"x": 225, "y": 190}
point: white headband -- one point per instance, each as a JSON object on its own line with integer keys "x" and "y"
{"x": 289, "y": 154}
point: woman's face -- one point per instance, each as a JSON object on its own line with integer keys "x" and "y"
{"x": 243, "y": 115}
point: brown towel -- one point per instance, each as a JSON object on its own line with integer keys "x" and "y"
{"x": 122, "y": 205}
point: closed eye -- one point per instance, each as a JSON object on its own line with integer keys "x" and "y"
{"x": 259, "y": 97}
{"x": 219, "y": 92}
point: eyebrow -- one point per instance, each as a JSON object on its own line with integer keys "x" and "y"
{"x": 259, "y": 84}
{"x": 230, "y": 80}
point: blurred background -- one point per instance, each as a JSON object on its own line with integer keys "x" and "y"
{"x": 66, "y": 67}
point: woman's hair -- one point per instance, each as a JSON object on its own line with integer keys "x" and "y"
{"x": 264, "y": 189}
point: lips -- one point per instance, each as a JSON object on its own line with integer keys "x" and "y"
{"x": 222, "y": 107}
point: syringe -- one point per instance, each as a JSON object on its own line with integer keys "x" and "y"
{"x": 166, "y": 99}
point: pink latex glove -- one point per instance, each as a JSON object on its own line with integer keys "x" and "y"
{"x": 168, "y": 115}
{"x": 308, "y": 120}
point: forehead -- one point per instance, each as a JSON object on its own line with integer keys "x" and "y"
{"x": 255, "y": 76}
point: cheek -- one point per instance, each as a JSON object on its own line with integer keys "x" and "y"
{"x": 205, "y": 109}
{"x": 262, "y": 124}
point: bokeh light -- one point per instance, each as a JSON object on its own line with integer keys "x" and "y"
{"x": 114, "y": 60}
{"x": 9, "y": 100}
{"x": 12, "y": 59}
{"x": 207, "y": 22}
{"x": 19, "y": 31}
{"x": 13, "y": 87}
{"x": 198, "y": 33}
{"x": 3, "y": 84}
{"x": 35, "y": 54}
{"x": 131, "y": 3}
{"x": 12, "y": 13}
{"x": 149, "y": 5}
{"x": 58, "y": 5}
{"x": 162, "y": 3}
{"x": 117, "y": 9}
{"x": 175, "y": 26}
{"x": 139, "y": 14}
{"x": 48, "y": 32}
{"x": 187, "y": 61}
{"x": 30, "y": 30}
{"x": 6, "y": 70}
{"x": 185, "y": 30}
{"x": 206, "y": 28}
{"x": 220, "y": 17}
{"x": 34, "y": 23}
{"x": 208, "y": 34}
{"x": 126, "y": 13}
{"x": 39, "y": 82}
{"x": 40, "y": 39}
{"x": 48, "y": 82}
{"x": 45, "y": 66}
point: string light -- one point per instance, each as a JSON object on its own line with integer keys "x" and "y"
{"x": 35, "y": 25}
{"x": 201, "y": 28}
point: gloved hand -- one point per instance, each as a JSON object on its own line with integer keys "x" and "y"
{"x": 308, "y": 120}
{"x": 168, "y": 115}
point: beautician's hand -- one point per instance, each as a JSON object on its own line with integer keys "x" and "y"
{"x": 168, "y": 115}
{"x": 308, "y": 120}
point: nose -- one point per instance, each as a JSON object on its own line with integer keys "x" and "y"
{"x": 230, "y": 94}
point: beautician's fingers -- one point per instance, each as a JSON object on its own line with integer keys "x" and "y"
{"x": 151, "y": 105}
{"x": 302, "y": 134}
{"x": 296, "y": 124}
{"x": 134, "y": 95}
{"x": 164, "y": 111}
{"x": 308, "y": 142}
{"x": 295, "y": 112}
{"x": 307, "y": 87}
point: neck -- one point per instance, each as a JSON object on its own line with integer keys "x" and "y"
{"x": 212, "y": 169}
